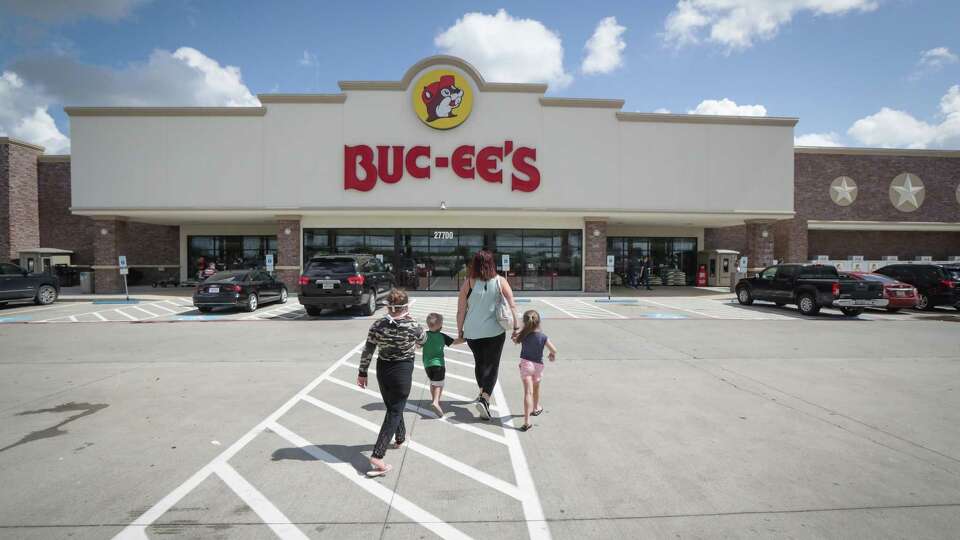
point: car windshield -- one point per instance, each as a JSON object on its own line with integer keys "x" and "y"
{"x": 819, "y": 271}
{"x": 228, "y": 277}
{"x": 338, "y": 265}
{"x": 877, "y": 277}
{"x": 954, "y": 273}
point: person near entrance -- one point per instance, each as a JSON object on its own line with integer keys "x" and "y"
{"x": 477, "y": 323}
{"x": 645, "y": 267}
{"x": 396, "y": 335}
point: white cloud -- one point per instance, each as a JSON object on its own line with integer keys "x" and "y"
{"x": 23, "y": 115}
{"x": 818, "y": 139}
{"x": 507, "y": 49}
{"x": 890, "y": 128}
{"x": 937, "y": 57}
{"x": 605, "y": 47}
{"x": 727, "y": 107}
{"x": 185, "y": 77}
{"x": 308, "y": 59}
{"x": 58, "y": 11}
{"x": 662, "y": 110}
{"x": 737, "y": 24}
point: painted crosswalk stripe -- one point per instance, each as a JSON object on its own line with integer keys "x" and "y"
{"x": 250, "y": 495}
{"x": 125, "y": 314}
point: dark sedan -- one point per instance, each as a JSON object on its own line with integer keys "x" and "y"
{"x": 18, "y": 285}
{"x": 246, "y": 289}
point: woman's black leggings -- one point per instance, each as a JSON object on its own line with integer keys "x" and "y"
{"x": 394, "y": 379}
{"x": 486, "y": 360}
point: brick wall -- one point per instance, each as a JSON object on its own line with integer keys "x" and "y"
{"x": 595, "y": 256}
{"x": 58, "y": 227}
{"x": 19, "y": 216}
{"x": 875, "y": 244}
{"x": 726, "y": 238}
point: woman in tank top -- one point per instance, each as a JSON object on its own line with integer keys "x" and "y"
{"x": 477, "y": 323}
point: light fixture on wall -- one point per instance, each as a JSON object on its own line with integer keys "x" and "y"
{"x": 287, "y": 231}
{"x": 443, "y": 205}
{"x": 596, "y": 233}
{"x": 103, "y": 232}
{"x": 764, "y": 233}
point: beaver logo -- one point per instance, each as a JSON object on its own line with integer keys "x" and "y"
{"x": 442, "y": 99}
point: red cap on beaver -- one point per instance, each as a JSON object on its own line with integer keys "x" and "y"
{"x": 435, "y": 87}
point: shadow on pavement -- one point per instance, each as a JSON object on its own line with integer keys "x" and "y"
{"x": 343, "y": 453}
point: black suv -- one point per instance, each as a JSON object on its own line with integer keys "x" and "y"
{"x": 937, "y": 284}
{"x": 335, "y": 281}
{"x": 16, "y": 284}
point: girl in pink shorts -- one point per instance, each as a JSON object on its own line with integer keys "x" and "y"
{"x": 532, "y": 342}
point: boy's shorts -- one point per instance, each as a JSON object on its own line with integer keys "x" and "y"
{"x": 436, "y": 374}
{"x": 531, "y": 369}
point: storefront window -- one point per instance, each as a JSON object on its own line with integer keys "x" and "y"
{"x": 665, "y": 254}
{"x": 436, "y": 259}
{"x": 229, "y": 252}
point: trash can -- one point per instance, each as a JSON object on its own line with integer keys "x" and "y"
{"x": 86, "y": 282}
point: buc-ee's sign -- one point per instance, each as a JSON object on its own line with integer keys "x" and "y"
{"x": 442, "y": 99}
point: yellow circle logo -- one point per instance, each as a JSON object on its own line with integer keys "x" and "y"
{"x": 442, "y": 98}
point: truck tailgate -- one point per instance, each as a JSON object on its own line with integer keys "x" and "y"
{"x": 860, "y": 290}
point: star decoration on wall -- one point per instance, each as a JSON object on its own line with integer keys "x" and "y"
{"x": 843, "y": 191}
{"x": 907, "y": 192}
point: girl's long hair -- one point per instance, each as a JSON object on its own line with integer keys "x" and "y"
{"x": 482, "y": 266}
{"x": 531, "y": 322}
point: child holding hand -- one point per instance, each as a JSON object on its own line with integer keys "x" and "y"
{"x": 532, "y": 343}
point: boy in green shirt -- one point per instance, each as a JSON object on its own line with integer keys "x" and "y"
{"x": 433, "y": 362}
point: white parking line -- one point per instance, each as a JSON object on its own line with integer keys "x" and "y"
{"x": 598, "y": 308}
{"x": 99, "y": 316}
{"x": 648, "y": 301}
{"x": 125, "y": 314}
{"x": 158, "y": 306}
{"x": 392, "y": 498}
{"x": 137, "y": 529}
{"x": 459, "y": 425}
{"x": 559, "y": 308}
{"x": 150, "y": 313}
{"x": 448, "y": 393}
{"x": 269, "y": 513}
{"x": 453, "y": 464}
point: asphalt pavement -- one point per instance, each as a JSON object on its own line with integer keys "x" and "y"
{"x": 701, "y": 426}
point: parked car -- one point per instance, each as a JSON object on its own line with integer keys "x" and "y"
{"x": 170, "y": 281}
{"x": 247, "y": 289}
{"x": 937, "y": 284}
{"x": 337, "y": 281}
{"x": 811, "y": 287}
{"x": 18, "y": 285}
{"x": 899, "y": 294}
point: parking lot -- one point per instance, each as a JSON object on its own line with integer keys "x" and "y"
{"x": 178, "y": 307}
{"x": 689, "y": 417}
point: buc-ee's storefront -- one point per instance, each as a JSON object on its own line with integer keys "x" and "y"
{"x": 422, "y": 172}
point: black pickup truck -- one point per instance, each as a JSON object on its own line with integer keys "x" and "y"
{"x": 811, "y": 287}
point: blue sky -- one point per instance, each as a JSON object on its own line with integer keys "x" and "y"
{"x": 854, "y": 71}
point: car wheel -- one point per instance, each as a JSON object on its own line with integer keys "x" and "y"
{"x": 283, "y": 295}
{"x": 371, "y": 306}
{"x": 923, "y": 302}
{"x": 851, "y": 312}
{"x": 252, "y": 302}
{"x": 204, "y": 309}
{"x": 893, "y": 309}
{"x": 744, "y": 296}
{"x": 313, "y": 311}
{"x": 46, "y": 294}
{"x": 807, "y": 305}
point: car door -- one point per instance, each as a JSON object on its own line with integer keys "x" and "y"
{"x": 13, "y": 284}
{"x": 384, "y": 281}
{"x": 762, "y": 286}
{"x": 782, "y": 288}
{"x": 266, "y": 285}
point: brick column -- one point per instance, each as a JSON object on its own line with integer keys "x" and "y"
{"x": 791, "y": 240}
{"x": 109, "y": 237}
{"x": 760, "y": 243}
{"x": 289, "y": 238}
{"x": 595, "y": 255}
{"x": 19, "y": 214}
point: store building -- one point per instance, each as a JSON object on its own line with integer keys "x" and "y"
{"x": 425, "y": 170}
